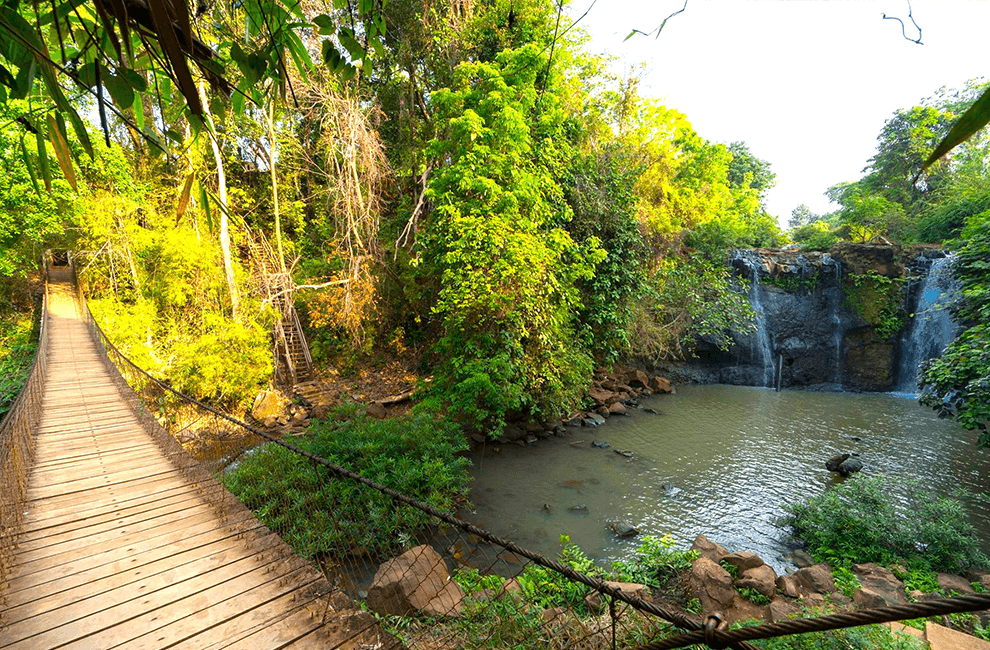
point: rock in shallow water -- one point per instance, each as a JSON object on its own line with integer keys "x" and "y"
{"x": 624, "y": 530}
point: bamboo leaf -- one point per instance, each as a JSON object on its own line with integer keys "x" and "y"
{"x": 60, "y": 142}
{"x": 183, "y": 204}
{"x": 974, "y": 119}
{"x": 204, "y": 200}
{"x": 46, "y": 172}
{"x": 30, "y": 166}
{"x": 138, "y": 108}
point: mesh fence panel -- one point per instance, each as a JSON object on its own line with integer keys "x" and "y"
{"x": 17, "y": 431}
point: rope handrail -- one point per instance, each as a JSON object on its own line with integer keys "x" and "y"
{"x": 710, "y": 631}
{"x": 17, "y": 431}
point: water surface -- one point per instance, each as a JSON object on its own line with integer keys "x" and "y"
{"x": 733, "y": 455}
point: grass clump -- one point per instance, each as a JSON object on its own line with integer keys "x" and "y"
{"x": 860, "y": 521}
{"x": 317, "y": 513}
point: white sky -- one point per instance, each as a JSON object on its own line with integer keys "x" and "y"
{"x": 807, "y": 84}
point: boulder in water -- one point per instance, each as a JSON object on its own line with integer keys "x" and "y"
{"x": 850, "y": 466}
{"x": 624, "y": 530}
{"x": 832, "y": 464}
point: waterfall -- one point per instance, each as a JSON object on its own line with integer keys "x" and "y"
{"x": 836, "y": 316}
{"x": 762, "y": 336}
{"x": 932, "y": 327}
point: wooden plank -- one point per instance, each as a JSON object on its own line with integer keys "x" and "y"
{"x": 99, "y": 518}
{"x": 132, "y": 554}
{"x": 94, "y": 530}
{"x": 186, "y": 621}
{"x": 74, "y": 477}
{"x": 95, "y": 483}
{"x": 320, "y": 637}
{"x": 38, "y": 616}
{"x": 76, "y": 559}
{"x": 106, "y": 623}
{"x": 249, "y": 622}
{"x": 43, "y": 513}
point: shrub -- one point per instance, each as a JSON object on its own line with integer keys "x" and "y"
{"x": 16, "y": 353}
{"x": 859, "y": 521}
{"x": 655, "y": 562}
{"x": 317, "y": 513}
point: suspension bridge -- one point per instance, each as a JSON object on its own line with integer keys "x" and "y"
{"x": 112, "y": 536}
{"x": 123, "y": 543}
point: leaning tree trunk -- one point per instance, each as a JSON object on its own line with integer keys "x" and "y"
{"x": 271, "y": 166}
{"x": 228, "y": 265}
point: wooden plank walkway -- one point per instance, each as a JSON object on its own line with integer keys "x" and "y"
{"x": 120, "y": 548}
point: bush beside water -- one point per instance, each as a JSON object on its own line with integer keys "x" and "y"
{"x": 319, "y": 514}
{"x": 863, "y": 520}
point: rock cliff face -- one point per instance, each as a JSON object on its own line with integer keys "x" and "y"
{"x": 833, "y": 320}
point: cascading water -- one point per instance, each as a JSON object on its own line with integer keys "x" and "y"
{"x": 762, "y": 336}
{"x": 932, "y": 327}
{"x": 836, "y": 315}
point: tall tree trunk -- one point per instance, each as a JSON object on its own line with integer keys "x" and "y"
{"x": 228, "y": 265}
{"x": 271, "y": 167}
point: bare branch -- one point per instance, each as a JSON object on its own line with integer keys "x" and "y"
{"x": 662, "y": 25}
{"x": 903, "y": 30}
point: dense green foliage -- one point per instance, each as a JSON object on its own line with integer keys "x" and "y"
{"x": 877, "y": 299}
{"x": 656, "y": 561}
{"x": 859, "y": 521}
{"x": 867, "y": 637}
{"x": 506, "y": 271}
{"x": 957, "y": 384}
{"x": 318, "y": 514}
{"x": 16, "y": 353}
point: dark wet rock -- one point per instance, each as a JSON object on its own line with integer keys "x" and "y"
{"x": 653, "y": 411}
{"x": 668, "y": 489}
{"x": 594, "y": 420}
{"x": 600, "y": 444}
{"x": 575, "y": 421}
{"x": 531, "y": 439}
{"x": 580, "y": 509}
{"x": 832, "y": 464}
{"x": 850, "y": 466}
{"x": 478, "y": 438}
{"x": 547, "y": 508}
{"x": 855, "y": 438}
{"x": 624, "y": 530}
{"x": 624, "y": 452}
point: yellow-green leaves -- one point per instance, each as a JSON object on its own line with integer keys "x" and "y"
{"x": 56, "y": 133}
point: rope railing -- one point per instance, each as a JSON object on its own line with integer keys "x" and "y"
{"x": 17, "y": 433}
{"x": 353, "y": 552}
